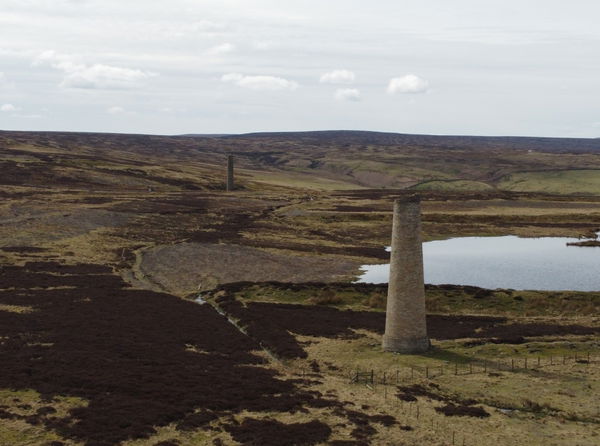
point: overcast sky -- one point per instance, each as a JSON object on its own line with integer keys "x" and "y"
{"x": 493, "y": 67}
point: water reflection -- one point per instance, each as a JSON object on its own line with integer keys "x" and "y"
{"x": 505, "y": 262}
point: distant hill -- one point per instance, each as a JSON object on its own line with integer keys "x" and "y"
{"x": 207, "y": 135}
{"x": 325, "y": 160}
{"x": 448, "y": 141}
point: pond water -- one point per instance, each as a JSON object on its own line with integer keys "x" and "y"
{"x": 505, "y": 262}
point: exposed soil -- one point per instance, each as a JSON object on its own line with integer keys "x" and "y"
{"x": 453, "y": 406}
{"x": 410, "y": 393}
{"x": 586, "y": 243}
{"x": 453, "y": 410}
{"x": 187, "y": 267}
{"x": 22, "y": 249}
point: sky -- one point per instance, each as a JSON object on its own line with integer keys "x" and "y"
{"x": 468, "y": 67}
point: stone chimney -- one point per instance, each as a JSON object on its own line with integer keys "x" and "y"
{"x": 230, "y": 184}
{"x": 405, "y": 324}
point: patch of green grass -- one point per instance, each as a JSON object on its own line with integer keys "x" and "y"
{"x": 468, "y": 300}
{"x": 443, "y": 299}
{"x": 23, "y": 403}
{"x": 558, "y": 181}
{"x": 334, "y": 295}
{"x": 453, "y": 185}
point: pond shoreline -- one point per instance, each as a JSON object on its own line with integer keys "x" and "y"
{"x": 543, "y": 263}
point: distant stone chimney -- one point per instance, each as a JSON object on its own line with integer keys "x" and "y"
{"x": 230, "y": 183}
{"x": 405, "y": 324}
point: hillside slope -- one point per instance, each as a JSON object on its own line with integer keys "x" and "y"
{"x": 314, "y": 160}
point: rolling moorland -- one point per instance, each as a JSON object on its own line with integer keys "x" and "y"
{"x": 107, "y": 240}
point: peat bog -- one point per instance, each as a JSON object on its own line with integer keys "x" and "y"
{"x": 141, "y": 359}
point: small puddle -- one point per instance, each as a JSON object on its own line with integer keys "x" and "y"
{"x": 545, "y": 263}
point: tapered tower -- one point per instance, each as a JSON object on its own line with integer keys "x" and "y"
{"x": 230, "y": 183}
{"x": 405, "y": 324}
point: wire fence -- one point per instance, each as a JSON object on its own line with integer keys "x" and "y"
{"x": 517, "y": 364}
{"x": 424, "y": 417}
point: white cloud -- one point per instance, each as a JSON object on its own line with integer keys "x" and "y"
{"x": 31, "y": 116}
{"x": 407, "y": 84}
{"x": 206, "y": 25}
{"x": 338, "y": 77}
{"x": 347, "y": 94}
{"x": 97, "y": 76}
{"x": 104, "y": 77}
{"x": 259, "y": 82}
{"x": 263, "y": 45}
{"x": 217, "y": 50}
{"x": 116, "y": 110}
{"x": 8, "y": 108}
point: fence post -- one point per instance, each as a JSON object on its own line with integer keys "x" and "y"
{"x": 456, "y": 368}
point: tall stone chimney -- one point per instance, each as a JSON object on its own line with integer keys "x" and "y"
{"x": 405, "y": 324}
{"x": 230, "y": 184}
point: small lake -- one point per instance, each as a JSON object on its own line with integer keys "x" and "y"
{"x": 505, "y": 262}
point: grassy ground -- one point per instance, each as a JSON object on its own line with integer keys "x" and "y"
{"x": 441, "y": 299}
{"x": 562, "y": 182}
{"x": 153, "y": 209}
{"x": 536, "y": 390}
